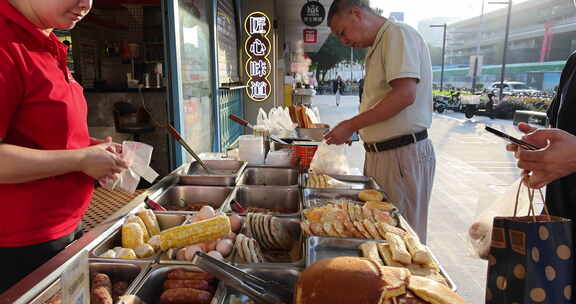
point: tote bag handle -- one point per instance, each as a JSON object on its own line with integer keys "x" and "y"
{"x": 531, "y": 193}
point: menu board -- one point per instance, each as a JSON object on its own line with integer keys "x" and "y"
{"x": 227, "y": 41}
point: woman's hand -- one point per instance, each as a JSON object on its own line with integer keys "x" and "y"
{"x": 114, "y": 147}
{"x": 102, "y": 161}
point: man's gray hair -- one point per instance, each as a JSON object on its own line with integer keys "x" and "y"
{"x": 339, "y": 6}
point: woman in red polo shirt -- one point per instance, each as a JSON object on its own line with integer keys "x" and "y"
{"x": 48, "y": 162}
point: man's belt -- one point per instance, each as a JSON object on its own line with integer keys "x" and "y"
{"x": 397, "y": 142}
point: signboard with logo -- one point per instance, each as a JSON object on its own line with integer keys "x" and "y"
{"x": 257, "y": 47}
{"x": 310, "y": 36}
{"x": 313, "y": 13}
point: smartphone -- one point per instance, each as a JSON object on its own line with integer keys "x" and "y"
{"x": 511, "y": 139}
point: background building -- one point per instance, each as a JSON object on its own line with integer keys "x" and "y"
{"x": 542, "y": 36}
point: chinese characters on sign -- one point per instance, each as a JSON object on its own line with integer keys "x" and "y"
{"x": 313, "y": 13}
{"x": 310, "y": 36}
{"x": 257, "y": 47}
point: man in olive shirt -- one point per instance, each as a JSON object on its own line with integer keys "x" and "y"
{"x": 396, "y": 108}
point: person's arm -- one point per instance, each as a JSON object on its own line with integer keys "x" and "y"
{"x": 402, "y": 95}
{"x": 19, "y": 164}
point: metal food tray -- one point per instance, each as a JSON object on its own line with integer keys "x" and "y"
{"x": 279, "y": 200}
{"x": 318, "y": 197}
{"x": 224, "y": 173}
{"x": 287, "y": 276}
{"x": 318, "y": 248}
{"x": 355, "y": 182}
{"x": 197, "y": 196}
{"x": 151, "y": 286}
{"x": 269, "y": 176}
{"x": 165, "y": 220}
{"x": 130, "y": 272}
{"x": 283, "y": 258}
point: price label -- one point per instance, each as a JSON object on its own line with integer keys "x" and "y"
{"x": 76, "y": 281}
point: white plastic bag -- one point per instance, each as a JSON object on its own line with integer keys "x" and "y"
{"x": 138, "y": 156}
{"x": 480, "y": 232}
{"x": 330, "y": 159}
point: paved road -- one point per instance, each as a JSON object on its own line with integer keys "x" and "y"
{"x": 473, "y": 170}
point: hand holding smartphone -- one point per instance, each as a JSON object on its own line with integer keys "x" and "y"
{"x": 511, "y": 139}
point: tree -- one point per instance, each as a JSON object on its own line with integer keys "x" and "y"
{"x": 332, "y": 53}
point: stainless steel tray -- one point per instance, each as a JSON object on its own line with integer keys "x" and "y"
{"x": 166, "y": 220}
{"x": 130, "y": 272}
{"x": 287, "y": 276}
{"x": 318, "y": 197}
{"x": 356, "y": 182}
{"x": 270, "y": 176}
{"x": 224, "y": 173}
{"x": 318, "y": 248}
{"x": 293, "y": 258}
{"x": 279, "y": 200}
{"x": 188, "y": 198}
{"x": 151, "y": 286}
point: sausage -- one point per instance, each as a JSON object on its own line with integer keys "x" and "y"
{"x": 181, "y": 274}
{"x": 185, "y": 296}
{"x": 197, "y": 284}
{"x": 119, "y": 289}
{"x": 101, "y": 280}
{"x": 100, "y": 295}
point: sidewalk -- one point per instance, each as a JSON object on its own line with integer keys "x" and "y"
{"x": 472, "y": 170}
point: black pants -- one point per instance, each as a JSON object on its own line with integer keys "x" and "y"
{"x": 18, "y": 262}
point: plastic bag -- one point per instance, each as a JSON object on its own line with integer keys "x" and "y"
{"x": 330, "y": 159}
{"x": 480, "y": 232}
{"x": 138, "y": 156}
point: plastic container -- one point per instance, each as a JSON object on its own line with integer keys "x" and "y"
{"x": 252, "y": 149}
{"x": 302, "y": 155}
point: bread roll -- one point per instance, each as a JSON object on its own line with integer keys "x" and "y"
{"x": 340, "y": 280}
{"x": 433, "y": 292}
{"x": 370, "y": 195}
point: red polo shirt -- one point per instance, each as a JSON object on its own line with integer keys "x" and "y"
{"x": 41, "y": 107}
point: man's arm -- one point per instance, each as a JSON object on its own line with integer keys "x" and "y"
{"x": 402, "y": 95}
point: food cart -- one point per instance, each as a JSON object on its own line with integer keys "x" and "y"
{"x": 277, "y": 206}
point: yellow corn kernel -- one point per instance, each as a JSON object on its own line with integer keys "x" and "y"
{"x": 198, "y": 232}
{"x": 150, "y": 220}
{"x": 137, "y": 220}
{"x": 132, "y": 235}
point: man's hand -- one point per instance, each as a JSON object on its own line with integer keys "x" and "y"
{"x": 340, "y": 134}
{"x": 557, "y": 159}
{"x": 526, "y": 129}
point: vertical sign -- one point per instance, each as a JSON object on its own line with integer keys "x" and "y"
{"x": 76, "y": 281}
{"x": 310, "y": 36}
{"x": 257, "y": 47}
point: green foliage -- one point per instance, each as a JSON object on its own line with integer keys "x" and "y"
{"x": 332, "y": 53}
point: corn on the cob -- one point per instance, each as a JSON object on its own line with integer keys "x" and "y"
{"x": 150, "y": 220}
{"x": 398, "y": 249}
{"x": 419, "y": 253}
{"x": 138, "y": 220}
{"x": 198, "y": 232}
{"x": 132, "y": 235}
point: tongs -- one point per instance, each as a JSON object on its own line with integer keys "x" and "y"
{"x": 182, "y": 142}
{"x": 261, "y": 291}
{"x": 247, "y": 124}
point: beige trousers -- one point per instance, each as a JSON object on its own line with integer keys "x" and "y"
{"x": 406, "y": 174}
